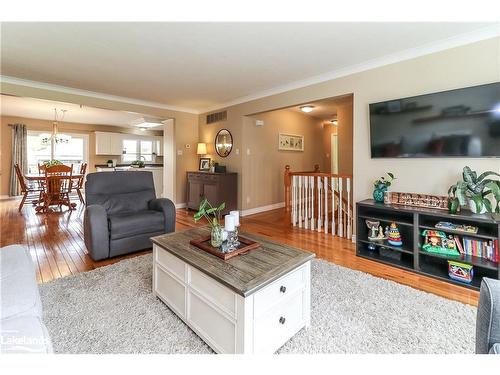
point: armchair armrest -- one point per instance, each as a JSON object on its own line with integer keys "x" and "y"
{"x": 168, "y": 208}
{"x": 488, "y": 316}
{"x": 96, "y": 231}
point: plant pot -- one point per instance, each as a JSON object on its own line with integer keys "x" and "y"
{"x": 475, "y": 209}
{"x": 378, "y": 193}
{"x": 217, "y": 236}
{"x": 453, "y": 205}
{"x": 110, "y": 165}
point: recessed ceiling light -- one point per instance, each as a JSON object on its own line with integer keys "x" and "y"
{"x": 307, "y": 108}
{"x": 334, "y": 122}
{"x": 142, "y": 129}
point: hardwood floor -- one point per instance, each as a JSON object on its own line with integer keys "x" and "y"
{"x": 55, "y": 241}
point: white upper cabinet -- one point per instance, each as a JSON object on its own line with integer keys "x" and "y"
{"x": 108, "y": 143}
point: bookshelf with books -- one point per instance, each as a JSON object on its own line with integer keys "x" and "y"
{"x": 469, "y": 240}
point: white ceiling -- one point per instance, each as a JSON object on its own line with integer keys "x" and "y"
{"x": 44, "y": 110}
{"x": 200, "y": 65}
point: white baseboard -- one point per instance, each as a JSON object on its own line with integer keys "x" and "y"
{"x": 180, "y": 205}
{"x": 256, "y": 210}
{"x": 353, "y": 238}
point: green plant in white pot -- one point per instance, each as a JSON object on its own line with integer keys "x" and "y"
{"x": 480, "y": 193}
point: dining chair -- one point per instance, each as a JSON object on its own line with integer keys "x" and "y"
{"x": 26, "y": 188}
{"x": 58, "y": 183}
{"x": 79, "y": 184}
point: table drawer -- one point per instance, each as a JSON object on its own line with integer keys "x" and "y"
{"x": 171, "y": 291}
{"x": 278, "y": 290}
{"x": 213, "y": 291}
{"x": 171, "y": 263}
{"x": 278, "y": 325}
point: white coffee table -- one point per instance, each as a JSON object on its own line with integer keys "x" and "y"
{"x": 252, "y": 303}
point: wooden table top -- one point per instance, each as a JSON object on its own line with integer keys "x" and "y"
{"x": 244, "y": 274}
{"x": 41, "y": 176}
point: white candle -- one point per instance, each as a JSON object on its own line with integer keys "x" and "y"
{"x": 229, "y": 223}
{"x": 236, "y": 215}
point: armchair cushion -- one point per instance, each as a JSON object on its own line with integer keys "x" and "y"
{"x": 167, "y": 208}
{"x": 131, "y": 224}
{"x": 96, "y": 231}
{"x": 488, "y": 316}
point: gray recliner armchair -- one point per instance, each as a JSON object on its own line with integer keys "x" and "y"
{"x": 488, "y": 318}
{"x": 122, "y": 213}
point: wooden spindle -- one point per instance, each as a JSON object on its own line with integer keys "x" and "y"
{"x": 340, "y": 224}
{"x": 334, "y": 179}
{"x": 348, "y": 189}
{"x": 325, "y": 183}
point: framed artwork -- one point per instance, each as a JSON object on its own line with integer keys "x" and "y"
{"x": 204, "y": 164}
{"x": 290, "y": 142}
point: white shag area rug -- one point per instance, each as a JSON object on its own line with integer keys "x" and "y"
{"x": 112, "y": 310}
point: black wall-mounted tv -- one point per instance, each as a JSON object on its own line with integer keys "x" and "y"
{"x": 455, "y": 123}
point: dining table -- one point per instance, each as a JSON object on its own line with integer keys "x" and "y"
{"x": 39, "y": 177}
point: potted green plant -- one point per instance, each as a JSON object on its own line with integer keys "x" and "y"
{"x": 480, "y": 193}
{"x": 110, "y": 163}
{"x": 51, "y": 163}
{"x": 381, "y": 185}
{"x": 213, "y": 216}
{"x": 453, "y": 201}
{"x": 137, "y": 164}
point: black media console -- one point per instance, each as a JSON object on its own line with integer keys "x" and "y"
{"x": 411, "y": 223}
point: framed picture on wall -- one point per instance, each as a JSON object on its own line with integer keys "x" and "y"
{"x": 290, "y": 142}
{"x": 204, "y": 164}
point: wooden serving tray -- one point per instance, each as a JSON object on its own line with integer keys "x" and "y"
{"x": 245, "y": 246}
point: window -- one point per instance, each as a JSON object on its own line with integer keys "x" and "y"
{"x": 137, "y": 150}
{"x": 74, "y": 151}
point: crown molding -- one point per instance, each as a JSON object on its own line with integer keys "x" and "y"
{"x": 92, "y": 94}
{"x": 433, "y": 47}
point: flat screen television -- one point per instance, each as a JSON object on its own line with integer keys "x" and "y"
{"x": 455, "y": 123}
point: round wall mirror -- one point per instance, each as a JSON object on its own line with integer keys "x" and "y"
{"x": 223, "y": 143}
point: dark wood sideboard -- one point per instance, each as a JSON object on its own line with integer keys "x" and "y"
{"x": 216, "y": 187}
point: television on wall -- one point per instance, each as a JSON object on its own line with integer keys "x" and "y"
{"x": 455, "y": 123}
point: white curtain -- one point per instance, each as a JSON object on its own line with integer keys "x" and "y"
{"x": 19, "y": 156}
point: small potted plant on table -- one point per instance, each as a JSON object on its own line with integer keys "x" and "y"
{"x": 213, "y": 216}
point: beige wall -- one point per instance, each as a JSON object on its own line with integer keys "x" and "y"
{"x": 186, "y": 125}
{"x": 44, "y": 125}
{"x": 344, "y": 130}
{"x": 468, "y": 65}
{"x": 263, "y": 168}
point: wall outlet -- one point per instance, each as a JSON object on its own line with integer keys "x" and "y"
{"x": 248, "y": 200}
{"x": 248, "y": 151}
{"x": 237, "y": 151}
{"x": 179, "y": 152}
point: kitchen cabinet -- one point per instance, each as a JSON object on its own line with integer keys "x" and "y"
{"x": 216, "y": 187}
{"x": 108, "y": 143}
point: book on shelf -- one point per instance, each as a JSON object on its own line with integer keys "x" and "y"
{"x": 487, "y": 249}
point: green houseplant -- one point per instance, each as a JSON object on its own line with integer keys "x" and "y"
{"x": 213, "y": 216}
{"x": 51, "y": 163}
{"x": 480, "y": 193}
{"x": 137, "y": 164}
{"x": 109, "y": 163}
{"x": 381, "y": 185}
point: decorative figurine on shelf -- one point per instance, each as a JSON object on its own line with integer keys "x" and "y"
{"x": 373, "y": 226}
{"x": 394, "y": 236}
{"x": 437, "y": 242}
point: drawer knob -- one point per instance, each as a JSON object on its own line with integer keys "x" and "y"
{"x": 283, "y": 289}
{"x": 282, "y": 320}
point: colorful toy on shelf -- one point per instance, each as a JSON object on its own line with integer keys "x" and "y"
{"x": 456, "y": 227}
{"x": 437, "y": 242}
{"x": 460, "y": 271}
{"x": 376, "y": 232}
{"x": 394, "y": 236}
